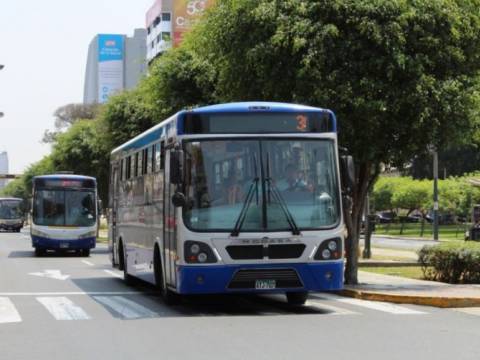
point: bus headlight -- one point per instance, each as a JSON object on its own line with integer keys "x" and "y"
{"x": 39, "y": 233}
{"x": 196, "y": 252}
{"x": 89, "y": 234}
{"x": 202, "y": 257}
{"x": 330, "y": 249}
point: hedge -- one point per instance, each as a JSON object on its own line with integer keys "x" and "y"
{"x": 451, "y": 263}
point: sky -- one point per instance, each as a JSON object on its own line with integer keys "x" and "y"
{"x": 43, "y": 45}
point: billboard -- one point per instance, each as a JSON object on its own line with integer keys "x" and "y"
{"x": 186, "y": 13}
{"x": 110, "y": 65}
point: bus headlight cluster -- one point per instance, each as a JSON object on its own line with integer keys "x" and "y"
{"x": 197, "y": 252}
{"x": 39, "y": 233}
{"x": 330, "y": 249}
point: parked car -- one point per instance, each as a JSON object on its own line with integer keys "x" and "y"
{"x": 385, "y": 217}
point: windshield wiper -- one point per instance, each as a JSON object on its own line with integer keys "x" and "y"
{"x": 253, "y": 190}
{"x": 273, "y": 190}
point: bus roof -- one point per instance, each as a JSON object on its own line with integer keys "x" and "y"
{"x": 156, "y": 131}
{"x": 10, "y": 199}
{"x": 64, "y": 176}
{"x": 252, "y": 106}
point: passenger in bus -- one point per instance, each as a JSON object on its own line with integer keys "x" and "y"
{"x": 293, "y": 180}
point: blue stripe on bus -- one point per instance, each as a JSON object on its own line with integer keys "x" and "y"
{"x": 46, "y": 243}
{"x": 215, "y": 279}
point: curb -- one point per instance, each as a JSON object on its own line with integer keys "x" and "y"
{"x": 364, "y": 264}
{"x": 435, "y": 301}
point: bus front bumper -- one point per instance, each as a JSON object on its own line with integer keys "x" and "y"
{"x": 243, "y": 278}
{"x": 63, "y": 244}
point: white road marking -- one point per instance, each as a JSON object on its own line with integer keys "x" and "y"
{"x": 8, "y": 312}
{"x": 86, "y": 262}
{"x": 469, "y": 311}
{"x": 63, "y": 308}
{"x": 374, "y": 305}
{"x": 69, "y": 293}
{"x": 51, "y": 274}
{"x": 113, "y": 273}
{"x": 333, "y": 310}
{"x": 126, "y": 308}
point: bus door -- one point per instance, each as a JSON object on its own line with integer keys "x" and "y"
{"x": 114, "y": 212}
{"x": 169, "y": 228}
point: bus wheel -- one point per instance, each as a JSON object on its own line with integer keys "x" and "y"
{"x": 168, "y": 296}
{"x": 39, "y": 252}
{"x": 85, "y": 252}
{"x": 129, "y": 279}
{"x": 297, "y": 298}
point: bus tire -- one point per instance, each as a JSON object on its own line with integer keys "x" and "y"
{"x": 39, "y": 252}
{"x": 168, "y": 296}
{"x": 85, "y": 252}
{"x": 297, "y": 298}
{"x": 129, "y": 279}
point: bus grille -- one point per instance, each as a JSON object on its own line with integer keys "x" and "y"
{"x": 284, "y": 278}
{"x": 255, "y": 252}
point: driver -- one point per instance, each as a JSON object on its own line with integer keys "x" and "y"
{"x": 293, "y": 180}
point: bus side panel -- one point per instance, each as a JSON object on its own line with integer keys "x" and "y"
{"x": 169, "y": 228}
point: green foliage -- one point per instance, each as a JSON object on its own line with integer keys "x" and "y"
{"x": 396, "y": 73}
{"x": 456, "y": 195}
{"x": 451, "y": 263}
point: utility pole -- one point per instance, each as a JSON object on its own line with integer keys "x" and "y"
{"x": 435, "y": 195}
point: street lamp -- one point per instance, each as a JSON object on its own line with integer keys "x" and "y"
{"x": 435, "y": 195}
{"x": 1, "y": 113}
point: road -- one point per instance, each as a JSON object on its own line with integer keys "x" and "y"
{"x": 70, "y": 307}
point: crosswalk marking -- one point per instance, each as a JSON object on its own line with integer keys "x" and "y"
{"x": 113, "y": 273}
{"x": 470, "y": 311}
{"x": 333, "y": 310}
{"x": 86, "y": 262}
{"x": 125, "y": 307}
{"x": 63, "y": 308}
{"x": 374, "y": 305}
{"x": 8, "y": 312}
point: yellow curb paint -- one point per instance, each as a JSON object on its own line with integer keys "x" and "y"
{"x": 441, "y": 302}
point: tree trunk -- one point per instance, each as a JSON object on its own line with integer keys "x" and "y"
{"x": 367, "y": 173}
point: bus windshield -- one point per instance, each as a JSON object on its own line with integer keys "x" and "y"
{"x": 59, "y": 207}
{"x": 296, "y": 176}
{"x": 10, "y": 209}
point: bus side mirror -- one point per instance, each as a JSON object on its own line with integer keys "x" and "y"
{"x": 176, "y": 167}
{"x": 347, "y": 172}
{"x": 178, "y": 199}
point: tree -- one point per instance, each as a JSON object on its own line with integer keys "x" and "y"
{"x": 400, "y": 75}
{"x": 67, "y": 115}
{"x": 79, "y": 150}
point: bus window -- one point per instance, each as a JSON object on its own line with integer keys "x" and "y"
{"x": 162, "y": 155}
{"x": 147, "y": 165}
{"x": 121, "y": 170}
{"x": 152, "y": 158}
{"x": 132, "y": 166}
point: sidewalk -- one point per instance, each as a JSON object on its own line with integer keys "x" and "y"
{"x": 400, "y": 290}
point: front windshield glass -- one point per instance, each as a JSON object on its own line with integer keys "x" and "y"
{"x": 220, "y": 174}
{"x": 64, "y": 208}
{"x": 10, "y": 209}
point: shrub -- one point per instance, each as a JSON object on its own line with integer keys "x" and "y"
{"x": 451, "y": 263}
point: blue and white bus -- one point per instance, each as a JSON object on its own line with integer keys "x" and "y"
{"x": 11, "y": 214}
{"x": 240, "y": 197}
{"x": 64, "y": 213}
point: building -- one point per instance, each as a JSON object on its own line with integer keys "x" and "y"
{"x": 158, "y": 22}
{"x": 3, "y": 167}
{"x": 114, "y": 63}
{"x": 167, "y": 21}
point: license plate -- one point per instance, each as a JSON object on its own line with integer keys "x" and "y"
{"x": 64, "y": 246}
{"x": 265, "y": 284}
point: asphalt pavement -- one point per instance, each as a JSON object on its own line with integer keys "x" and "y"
{"x": 69, "y": 307}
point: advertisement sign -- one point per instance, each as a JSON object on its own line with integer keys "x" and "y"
{"x": 110, "y": 65}
{"x": 186, "y": 13}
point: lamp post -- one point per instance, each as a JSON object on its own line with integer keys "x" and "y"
{"x": 435, "y": 195}
{"x": 1, "y": 113}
